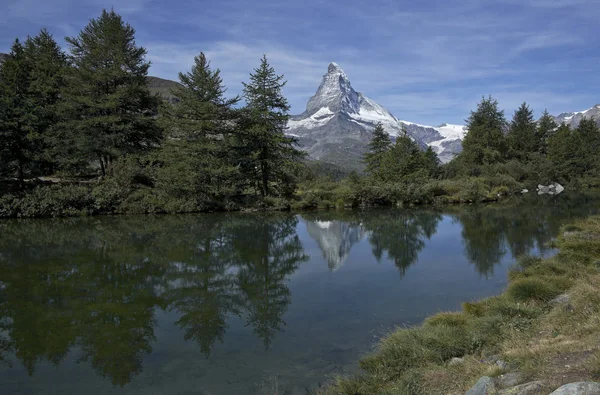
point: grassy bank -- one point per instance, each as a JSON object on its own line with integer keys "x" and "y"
{"x": 544, "y": 338}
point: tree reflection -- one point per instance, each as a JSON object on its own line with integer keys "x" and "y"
{"x": 400, "y": 234}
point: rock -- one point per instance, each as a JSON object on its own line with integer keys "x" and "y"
{"x": 558, "y": 188}
{"x": 492, "y": 358}
{"x": 534, "y": 387}
{"x": 456, "y": 361}
{"x": 582, "y": 388}
{"x": 502, "y": 364}
{"x": 524, "y": 190}
{"x": 553, "y": 189}
{"x": 509, "y": 380}
{"x": 484, "y": 386}
{"x": 560, "y": 299}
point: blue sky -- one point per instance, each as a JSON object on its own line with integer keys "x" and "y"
{"x": 427, "y": 61}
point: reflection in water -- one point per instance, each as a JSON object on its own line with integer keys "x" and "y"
{"x": 95, "y": 286}
{"x": 335, "y": 239}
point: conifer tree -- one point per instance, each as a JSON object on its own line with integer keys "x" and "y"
{"x": 379, "y": 145}
{"x": 431, "y": 162}
{"x": 546, "y": 126}
{"x": 47, "y": 65}
{"x": 16, "y": 148}
{"x": 267, "y": 156}
{"x": 522, "y": 136}
{"x": 199, "y": 126}
{"x": 402, "y": 161}
{"x": 110, "y": 109}
{"x": 485, "y": 142}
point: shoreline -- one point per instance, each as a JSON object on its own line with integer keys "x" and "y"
{"x": 548, "y": 314}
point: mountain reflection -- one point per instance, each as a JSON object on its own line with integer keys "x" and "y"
{"x": 94, "y": 286}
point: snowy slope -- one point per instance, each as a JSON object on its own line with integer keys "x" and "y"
{"x": 338, "y": 123}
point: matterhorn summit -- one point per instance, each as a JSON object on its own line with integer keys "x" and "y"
{"x": 338, "y": 123}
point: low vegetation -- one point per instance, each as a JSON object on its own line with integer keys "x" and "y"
{"x": 544, "y": 337}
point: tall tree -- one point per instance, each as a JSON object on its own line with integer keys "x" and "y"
{"x": 47, "y": 65}
{"x": 402, "y": 161}
{"x": 200, "y": 123}
{"x": 546, "y": 126}
{"x": 267, "y": 156}
{"x": 16, "y": 148}
{"x": 111, "y": 111}
{"x": 379, "y": 145}
{"x": 485, "y": 142}
{"x": 522, "y": 136}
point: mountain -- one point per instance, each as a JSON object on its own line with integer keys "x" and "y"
{"x": 162, "y": 87}
{"x": 573, "y": 118}
{"x": 3, "y": 57}
{"x": 338, "y": 123}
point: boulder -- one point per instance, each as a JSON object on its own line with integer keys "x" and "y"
{"x": 524, "y": 190}
{"x": 483, "y": 386}
{"x": 581, "y": 388}
{"x": 509, "y": 380}
{"x": 502, "y": 364}
{"x": 534, "y": 387}
{"x": 456, "y": 361}
{"x": 553, "y": 189}
{"x": 560, "y": 299}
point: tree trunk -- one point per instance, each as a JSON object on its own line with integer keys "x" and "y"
{"x": 20, "y": 174}
{"x": 265, "y": 180}
{"x": 102, "y": 167}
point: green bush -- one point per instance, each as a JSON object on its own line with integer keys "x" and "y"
{"x": 532, "y": 289}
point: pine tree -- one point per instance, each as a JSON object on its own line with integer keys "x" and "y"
{"x": 546, "y": 126}
{"x": 522, "y": 136}
{"x": 16, "y": 148}
{"x": 379, "y": 145}
{"x": 402, "y": 161}
{"x": 47, "y": 65}
{"x": 431, "y": 162}
{"x": 267, "y": 156}
{"x": 200, "y": 125}
{"x": 485, "y": 142}
{"x": 111, "y": 111}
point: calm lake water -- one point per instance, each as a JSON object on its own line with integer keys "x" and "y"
{"x": 244, "y": 303}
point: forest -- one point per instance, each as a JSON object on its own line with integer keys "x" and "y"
{"x": 82, "y": 134}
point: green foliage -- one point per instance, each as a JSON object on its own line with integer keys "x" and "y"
{"x": 522, "y": 136}
{"x": 267, "y": 158}
{"x": 108, "y": 109}
{"x": 485, "y": 142}
{"x": 532, "y": 289}
{"x": 379, "y": 145}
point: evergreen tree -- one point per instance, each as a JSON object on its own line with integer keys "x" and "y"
{"x": 431, "y": 163}
{"x": 546, "y": 126}
{"x": 267, "y": 156}
{"x": 195, "y": 157}
{"x": 16, "y": 148}
{"x": 402, "y": 161}
{"x": 562, "y": 150}
{"x": 587, "y": 146}
{"x": 485, "y": 142}
{"x": 111, "y": 111}
{"x": 522, "y": 136}
{"x": 379, "y": 145}
{"x": 46, "y": 64}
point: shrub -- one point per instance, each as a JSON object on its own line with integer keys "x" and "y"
{"x": 532, "y": 289}
{"x": 452, "y": 319}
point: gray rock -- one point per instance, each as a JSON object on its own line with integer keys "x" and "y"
{"x": 534, "y": 387}
{"x": 502, "y": 364}
{"x": 524, "y": 190}
{"x": 553, "y": 189}
{"x": 484, "y": 386}
{"x": 509, "y": 380}
{"x": 581, "y": 388}
{"x": 456, "y": 361}
{"x": 561, "y": 299}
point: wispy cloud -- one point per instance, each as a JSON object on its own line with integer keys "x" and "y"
{"x": 428, "y": 61}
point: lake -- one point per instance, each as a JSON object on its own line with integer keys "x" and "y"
{"x": 244, "y": 303}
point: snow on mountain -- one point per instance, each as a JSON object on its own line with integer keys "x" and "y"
{"x": 338, "y": 123}
{"x": 573, "y": 118}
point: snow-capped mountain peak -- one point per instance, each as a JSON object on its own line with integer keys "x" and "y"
{"x": 573, "y": 118}
{"x": 338, "y": 123}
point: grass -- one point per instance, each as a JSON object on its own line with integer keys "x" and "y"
{"x": 554, "y": 342}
